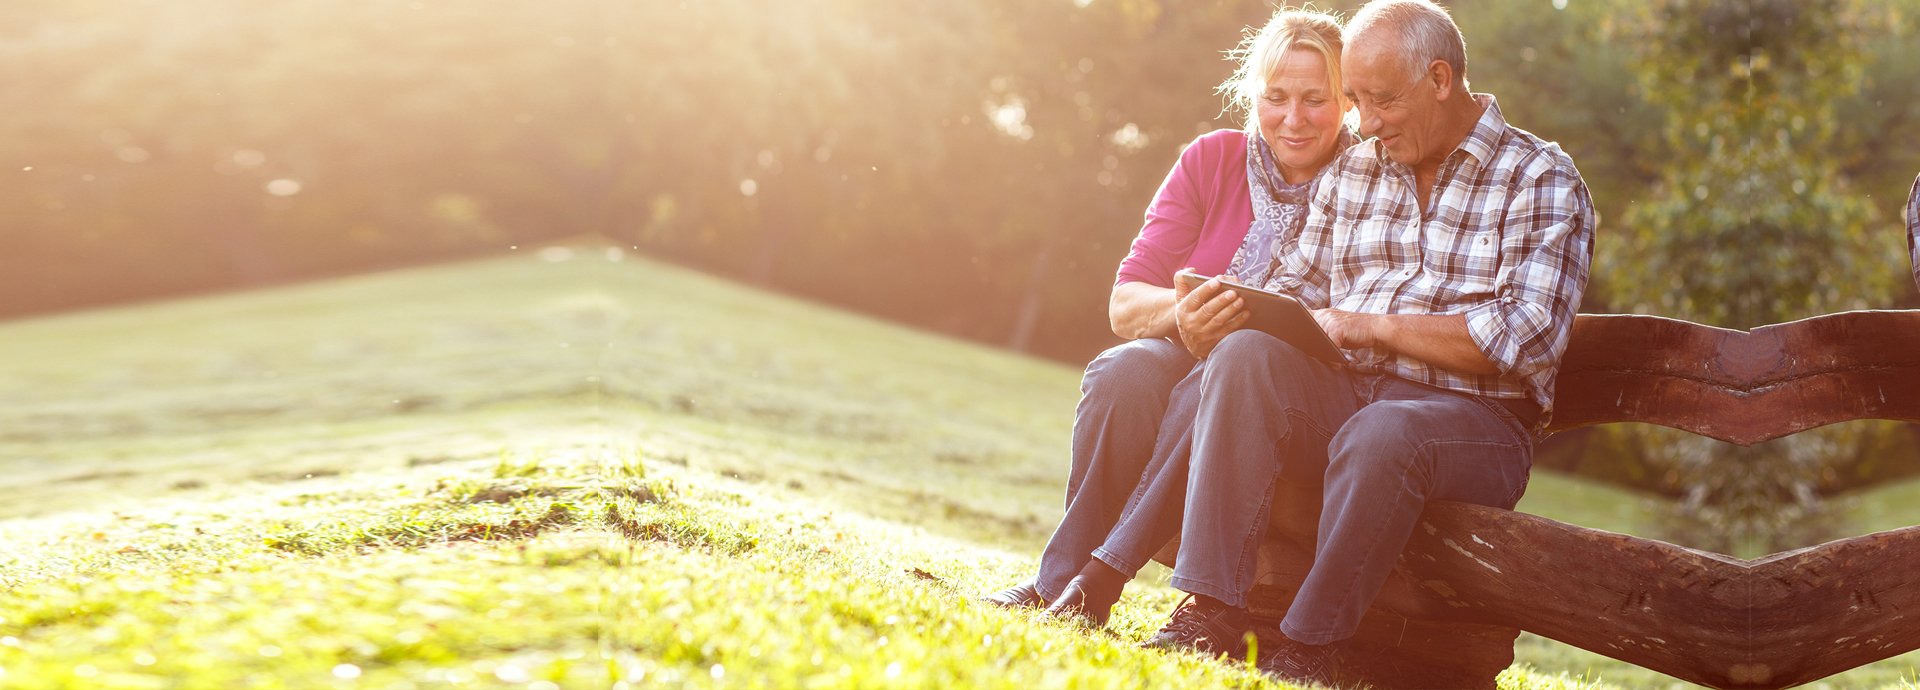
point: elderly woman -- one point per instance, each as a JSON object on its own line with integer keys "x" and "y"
{"x": 1233, "y": 197}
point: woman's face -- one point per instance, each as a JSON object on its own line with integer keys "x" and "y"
{"x": 1300, "y": 114}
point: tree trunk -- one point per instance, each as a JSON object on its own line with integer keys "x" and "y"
{"x": 1033, "y": 299}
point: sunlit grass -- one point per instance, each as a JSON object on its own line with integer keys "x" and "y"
{"x": 597, "y": 473}
{"x": 571, "y": 576}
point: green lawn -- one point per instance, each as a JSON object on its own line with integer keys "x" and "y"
{"x": 576, "y": 469}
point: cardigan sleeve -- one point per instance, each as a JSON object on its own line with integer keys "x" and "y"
{"x": 1175, "y": 216}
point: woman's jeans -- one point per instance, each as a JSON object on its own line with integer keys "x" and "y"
{"x": 1381, "y": 447}
{"x": 1128, "y": 479}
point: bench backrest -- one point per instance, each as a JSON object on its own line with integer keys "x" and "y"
{"x": 1742, "y": 387}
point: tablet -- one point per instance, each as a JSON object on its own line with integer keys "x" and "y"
{"x": 1280, "y": 316}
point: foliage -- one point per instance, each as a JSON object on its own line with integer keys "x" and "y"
{"x": 1884, "y": 107}
{"x": 986, "y": 162}
{"x": 1752, "y": 131}
{"x": 1565, "y": 75}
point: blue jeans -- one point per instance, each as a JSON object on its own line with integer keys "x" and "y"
{"x": 1380, "y": 447}
{"x": 1136, "y": 403}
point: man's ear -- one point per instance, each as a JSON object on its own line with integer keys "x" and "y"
{"x": 1441, "y": 75}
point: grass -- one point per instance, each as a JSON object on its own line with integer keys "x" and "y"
{"x": 555, "y": 577}
{"x": 571, "y": 470}
{"x": 1886, "y": 507}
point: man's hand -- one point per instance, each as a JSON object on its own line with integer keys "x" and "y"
{"x": 1441, "y": 340}
{"x": 1207, "y": 313}
{"x": 1350, "y": 330}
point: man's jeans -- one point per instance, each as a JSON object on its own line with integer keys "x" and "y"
{"x": 1137, "y": 404}
{"x": 1383, "y": 447}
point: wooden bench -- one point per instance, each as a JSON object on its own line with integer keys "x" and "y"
{"x": 1473, "y": 577}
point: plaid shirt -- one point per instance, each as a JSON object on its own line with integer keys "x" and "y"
{"x": 1913, "y": 229}
{"x": 1508, "y": 244}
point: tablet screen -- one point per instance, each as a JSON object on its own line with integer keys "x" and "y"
{"x": 1280, "y": 316}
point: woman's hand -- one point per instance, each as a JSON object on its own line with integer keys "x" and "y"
{"x": 1207, "y": 313}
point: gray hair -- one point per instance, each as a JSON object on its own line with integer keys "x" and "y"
{"x": 1424, "y": 30}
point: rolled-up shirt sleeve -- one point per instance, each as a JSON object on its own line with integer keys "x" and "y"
{"x": 1172, "y": 227}
{"x": 1546, "y": 249}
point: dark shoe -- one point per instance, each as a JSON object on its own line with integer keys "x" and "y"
{"x": 1204, "y": 625}
{"x": 1297, "y": 663}
{"x": 1020, "y": 596}
{"x": 1076, "y": 602}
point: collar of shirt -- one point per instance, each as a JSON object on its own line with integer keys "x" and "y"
{"x": 1481, "y": 144}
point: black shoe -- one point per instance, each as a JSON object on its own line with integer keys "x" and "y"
{"x": 1297, "y": 663}
{"x": 1076, "y": 602}
{"x": 1020, "y": 596}
{"x": 1204, "y": 625}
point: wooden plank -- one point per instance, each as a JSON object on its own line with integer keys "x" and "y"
{"x": 1836, "y": 606}
{"x": 1656, "y": 605}
{"x": 1472, "y": 577}
{"x": 1740, "y": 387}
{"x": 1774, "y": 622}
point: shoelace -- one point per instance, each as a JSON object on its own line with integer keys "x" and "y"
{"x": 1306, "y": 662}
{"x": 1187, "y": 622}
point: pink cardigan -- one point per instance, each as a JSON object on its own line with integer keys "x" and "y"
{"x": 1199, "y": 216}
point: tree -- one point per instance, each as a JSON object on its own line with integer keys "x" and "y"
{"x": 1751, "y": 222}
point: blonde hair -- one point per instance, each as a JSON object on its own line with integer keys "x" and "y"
{"x": 1259, "y": 55}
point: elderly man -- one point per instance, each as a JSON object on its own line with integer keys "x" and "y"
{"x": 1447, "y": 254}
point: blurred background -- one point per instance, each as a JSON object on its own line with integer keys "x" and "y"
{"x": 975, "y": 169}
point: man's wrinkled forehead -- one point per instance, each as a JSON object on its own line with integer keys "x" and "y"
{"x": 1376, "y": 65}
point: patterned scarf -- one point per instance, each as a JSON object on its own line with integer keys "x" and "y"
{"x": 1279, "y": 209}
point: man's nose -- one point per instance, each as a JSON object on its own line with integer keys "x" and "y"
{"x": 1369, "y": 121}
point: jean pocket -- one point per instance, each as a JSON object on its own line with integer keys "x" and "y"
{"x": 1521, "y": 433}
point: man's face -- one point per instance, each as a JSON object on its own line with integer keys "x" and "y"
{"x": 1402, "y": 112}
